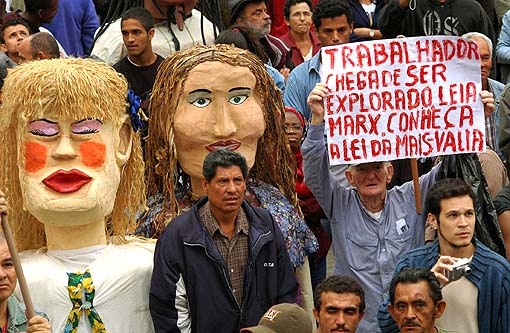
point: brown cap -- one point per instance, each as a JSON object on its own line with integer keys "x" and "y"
{"x": 283, "y": 318}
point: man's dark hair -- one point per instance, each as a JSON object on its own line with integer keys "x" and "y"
{"x": 331, "y": 9}
{"x": 142, "y": 15}
{"x": 45, "y": 42}
{"x": 32, "y": 6}
{"x": 416, "y": 275}
{"x": 290, "y": 3}
{"x": 10, "y": 23}
{"x": 339, "y": 284}
{"x": 223, "y": 158}
{"x": 445, "y": 189}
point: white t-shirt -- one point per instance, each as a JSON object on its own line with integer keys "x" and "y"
{"x": 461, "y": 312}
{"x": 110, "y": 48}
{"x": 121, "y": 275}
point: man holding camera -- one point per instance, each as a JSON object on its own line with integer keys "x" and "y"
{"x": 475, "y": 280}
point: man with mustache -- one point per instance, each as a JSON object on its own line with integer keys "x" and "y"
{"x": 478, "y": 301}
{"x": 221, "y": 265}
{"x": 416, "y": 301}
{"x": 253, "y": 14}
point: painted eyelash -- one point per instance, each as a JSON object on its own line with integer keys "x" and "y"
{"x": 41, "y": 133}
{"x": 87, "y": 131}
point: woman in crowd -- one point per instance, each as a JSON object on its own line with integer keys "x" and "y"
{"x": 302, "y": 41}
{"x": 312, "y": 211}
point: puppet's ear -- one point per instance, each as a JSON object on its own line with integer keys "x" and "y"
{"x": 125, "y": 141}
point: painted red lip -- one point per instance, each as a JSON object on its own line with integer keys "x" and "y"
{"x": 66, "y": 181}
{"x": 230, "y": 144}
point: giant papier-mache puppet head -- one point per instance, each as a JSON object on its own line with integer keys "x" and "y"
{"x": 69, "y": 155}
{"x": 271, "y": 163}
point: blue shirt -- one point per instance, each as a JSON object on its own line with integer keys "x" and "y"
{"x": 301, "y": 81}
{"x": 17, "y": 321}
{"x": 492, "y": 122}
{"x": 74, "y": 26}
{"x": 277, "y": 77}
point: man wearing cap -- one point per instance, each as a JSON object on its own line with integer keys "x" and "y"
{"x": 252, "y": 14}
{"x": 371, "y": 227}
{"x": 282, "y": 318}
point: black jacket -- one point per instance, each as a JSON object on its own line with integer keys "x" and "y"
{"x": 430, "y": 17}
{"x": 190, "y": 288}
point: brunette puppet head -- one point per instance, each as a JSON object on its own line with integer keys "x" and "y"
{"x": 208, "y": 98}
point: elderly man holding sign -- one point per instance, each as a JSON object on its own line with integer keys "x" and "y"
{"x": 372, "y": 226}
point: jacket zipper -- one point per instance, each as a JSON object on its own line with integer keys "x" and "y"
{"x": 222, "y": 269}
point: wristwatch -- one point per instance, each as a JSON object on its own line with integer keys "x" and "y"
{"x": 371, "y": 33}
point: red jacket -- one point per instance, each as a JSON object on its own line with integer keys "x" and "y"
{"x": 311, "y": 210}
{"x": 297, "y": 58}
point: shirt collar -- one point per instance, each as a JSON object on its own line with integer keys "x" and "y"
{"x": 212, "y": 226}
{"x": 315, "y": 62}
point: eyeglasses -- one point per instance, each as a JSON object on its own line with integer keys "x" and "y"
{"x": 292, "y": 128}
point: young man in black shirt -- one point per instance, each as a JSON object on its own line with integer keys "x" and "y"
{"x": 141, "y": 64}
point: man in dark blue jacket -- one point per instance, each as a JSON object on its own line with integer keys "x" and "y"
{"x": 220, "y": 266}
{"x": 477, "y": 300}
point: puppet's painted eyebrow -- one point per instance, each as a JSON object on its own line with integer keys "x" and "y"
{"x": 87, "y": 119}
{"x": 198, "y": 91}
{"x": 45, "y": 120}
{"x": 239, "y": 88}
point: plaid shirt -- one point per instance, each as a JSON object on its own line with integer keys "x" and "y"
{"x": 491, "y": 132}
{"x": 234, "y": 251}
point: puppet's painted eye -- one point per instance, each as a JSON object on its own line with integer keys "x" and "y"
{"x": 201, "y": 102}
{"x": 86, "y": 126}
{"x": 43, "y": 127}
{"x": 237, "y": 100}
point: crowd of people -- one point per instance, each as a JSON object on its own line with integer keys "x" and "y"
{"x": 165, "y": 170}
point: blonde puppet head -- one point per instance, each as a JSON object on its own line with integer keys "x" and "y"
{"x": 60, "y": 115}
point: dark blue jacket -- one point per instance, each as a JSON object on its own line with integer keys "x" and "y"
{"x": 360, "y": 18}
{"x": 490, "y": 273}
{"x": 190, "y": 288}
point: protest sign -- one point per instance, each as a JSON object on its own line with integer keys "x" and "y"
{"x": 402, "y": 98}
